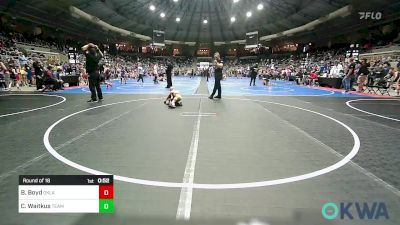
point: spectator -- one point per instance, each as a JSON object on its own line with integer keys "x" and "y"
{"x": 362, "y": 73}
{"x": 49, "y": 81}
{"x": 29, "y": 75}
{"x": 3, "y": 72}
{"x": 38, "y": 68}
{"x": 396, "y": 80}
{"x": 349, "y": 75}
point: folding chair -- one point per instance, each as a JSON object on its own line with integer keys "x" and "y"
{"x": 384, "y": 87}
{"x": 369, "y": 87}
{"x": 384, "y": 90}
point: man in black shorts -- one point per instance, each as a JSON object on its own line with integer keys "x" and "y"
{"x": 93, "y": 56}
{"x": 253, "y": 74}
{"x": 218, "y": 65}
{"x": 169, "y": 75}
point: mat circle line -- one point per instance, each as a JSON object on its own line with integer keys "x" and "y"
{"x": 337, "y": 165}
{"x": 370, "y": 113}
{"x": 35, "y": 109}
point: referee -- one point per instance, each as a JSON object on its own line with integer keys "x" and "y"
{"x": 253, "y": 74}
{"x": 218, "y": 75}
{"x": 93, "y": 56}
{"x": 169, "y": 75}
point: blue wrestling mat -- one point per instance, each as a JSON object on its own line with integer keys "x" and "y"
{"x": 187, "y": 86}
{"x": 240, "y": 87}
{"x": 230, "y": 87}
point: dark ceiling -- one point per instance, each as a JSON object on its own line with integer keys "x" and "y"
{"x": 276, "y": 16}
{"x": 135, "y": 16}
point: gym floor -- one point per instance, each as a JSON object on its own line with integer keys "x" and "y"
{"x": 260, "y": 155}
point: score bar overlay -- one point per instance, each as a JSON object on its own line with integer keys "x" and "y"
{"x": 66, "y": 194}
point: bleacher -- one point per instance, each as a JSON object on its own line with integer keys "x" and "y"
{"x": 386, "y": 48}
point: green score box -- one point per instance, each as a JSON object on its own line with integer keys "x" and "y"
{"x": 106, "y": 206}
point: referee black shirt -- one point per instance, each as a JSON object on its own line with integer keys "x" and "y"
{"x": 92, "y": 60}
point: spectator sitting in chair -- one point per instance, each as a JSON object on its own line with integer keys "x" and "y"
{"x": 57, "y": 77}
{"x": 299, "y": 76}
{"x": 49, "y": 81}
{"x": 312, "y": 78}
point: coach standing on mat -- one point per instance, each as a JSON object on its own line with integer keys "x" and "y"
{"x": 93, "y": 56}
{"x": 218, "y": 75}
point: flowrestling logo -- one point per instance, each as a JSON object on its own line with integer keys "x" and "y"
{"x": 355, "y": 210}
{"x": 370, "y": 15}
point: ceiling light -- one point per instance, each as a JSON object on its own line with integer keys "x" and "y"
{"x": 205, "y": 21}
{"x": 234, "y": 1}
{"x": 248, "y": 14}
{"x": 178, "y": 19}
{"x": 175, "y": 0}
{"x": 260, "y": 6}
{"x": 233, "y": 19}
{"x": 152, "y": 7}
{"x": 162, "y": 15}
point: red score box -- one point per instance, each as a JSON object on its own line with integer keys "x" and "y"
{"x": 106, "y": 192}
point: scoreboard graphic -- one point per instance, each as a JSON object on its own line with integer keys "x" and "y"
{"x": 72, "y": 56}
{"x": 353, "y": 51}
{"x": 66, "y": 194}
{"x": 159, "y": 38}
{"x": 252, "y": 39}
